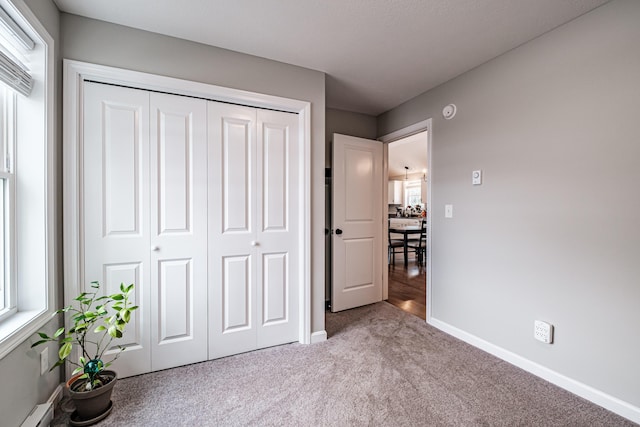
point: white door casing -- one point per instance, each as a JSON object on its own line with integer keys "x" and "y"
{"x": 357, "y": 222}
{"x": 253, "y": 230}
{"x": 76, "y": 76}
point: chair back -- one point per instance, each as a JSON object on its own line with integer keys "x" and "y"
{"x": 423, "y": 233}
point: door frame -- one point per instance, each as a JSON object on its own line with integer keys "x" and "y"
{"x": 75, "y": 73}
{"x": 424, "y": 125}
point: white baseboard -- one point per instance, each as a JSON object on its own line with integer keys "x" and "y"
{"x": 598, "y": 397}
{"x": 56, "y": 396}
{"x": 318, "y": 336}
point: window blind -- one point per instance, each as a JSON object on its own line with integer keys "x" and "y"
{"x": 12, "y": 72}
{"x": 14, "y": 75}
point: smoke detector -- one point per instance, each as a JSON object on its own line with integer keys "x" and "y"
{"x": 449, "y": 111}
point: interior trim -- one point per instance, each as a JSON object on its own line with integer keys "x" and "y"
{"x": 620, "y": 407}
{"x": 75, "y": 73}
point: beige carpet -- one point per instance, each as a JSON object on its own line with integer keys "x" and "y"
{"x": 379, "y": 367}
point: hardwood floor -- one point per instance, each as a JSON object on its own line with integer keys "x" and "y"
{"x": 407, "y": 287}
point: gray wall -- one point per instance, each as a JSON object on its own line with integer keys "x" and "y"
{"x": 23, "y": 386}
{"x": 108, "y": 44}
{"x": 347, "y": 123}
{"x": 553, "y": 231}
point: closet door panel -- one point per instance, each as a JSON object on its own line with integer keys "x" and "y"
{"x": 232, "y": 243}
{"x": 275, "y": 288}
{"x": 278, "y": 225}
{"x": 115, "y": 207}
{"x": 178, "y": 242}
{"x": 236, "y": 136}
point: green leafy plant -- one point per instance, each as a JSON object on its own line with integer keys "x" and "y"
{"x": 96, "y": 322}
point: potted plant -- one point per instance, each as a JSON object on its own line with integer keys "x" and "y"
{"x": 95, "y": 323}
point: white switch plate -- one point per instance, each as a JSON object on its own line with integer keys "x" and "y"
{"x": 543, "y": 331}
{"x": 448, "y": 211}
{"x": 476, "y": 177}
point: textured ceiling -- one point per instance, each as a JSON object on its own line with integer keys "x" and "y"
{"x": 376, "y": 53}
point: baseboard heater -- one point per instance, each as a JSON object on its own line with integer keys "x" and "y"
{"x": 40, "y": 416}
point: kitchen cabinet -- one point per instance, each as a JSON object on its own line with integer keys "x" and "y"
{"x": 396, "y": 193}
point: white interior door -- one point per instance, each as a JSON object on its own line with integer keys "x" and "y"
{"x": 232, "y": 234}
{"x": 254, "y": 231}
{"x": 357, "y": 222}
{"x": 277, "y": 233}
{"x": 115, "y": 207}
{"x": 178, "y": 246}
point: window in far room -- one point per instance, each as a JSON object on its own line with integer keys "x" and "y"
{"x": 412, "y": 193}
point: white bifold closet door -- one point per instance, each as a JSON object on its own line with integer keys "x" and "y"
{"x": 253, "y": 228}
{"x": 144, "y": 218}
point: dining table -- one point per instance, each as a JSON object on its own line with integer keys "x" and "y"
{"x": 406, "y": 231}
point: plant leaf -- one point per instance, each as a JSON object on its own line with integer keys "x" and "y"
{"x": 117, "y": 297}
{"x": 37, "y": 343}
{"x": 99, "y": 329}
{"x": 58, "y": 332}
{"x": 115, "y": 332}
{"x": 58, "y": 363}
{"x": 65, "y": 350}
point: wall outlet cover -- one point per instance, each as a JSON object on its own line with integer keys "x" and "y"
{"x": 543, "y": 331}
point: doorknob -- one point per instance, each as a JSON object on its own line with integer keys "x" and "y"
{"x": 254, "y": 243}
{"x": 338, "y": 231}
{"x": 155, "y": 248}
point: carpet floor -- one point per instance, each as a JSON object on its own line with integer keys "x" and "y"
{"x": 379, "y": 367}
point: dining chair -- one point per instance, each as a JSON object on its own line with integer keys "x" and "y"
{"x": 394, "y": 245}
{"x": 420, "y": 245}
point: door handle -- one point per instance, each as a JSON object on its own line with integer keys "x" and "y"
{"x": 155, "y": 248}
{"x": 254, "y": 243}
{"x": 338, "y": 231}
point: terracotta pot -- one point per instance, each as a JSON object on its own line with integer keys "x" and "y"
{"x": 93, "y": 403}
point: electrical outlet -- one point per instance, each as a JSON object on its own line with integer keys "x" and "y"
{"x": 543, "y": 331}
{"x": 44, "y": 361}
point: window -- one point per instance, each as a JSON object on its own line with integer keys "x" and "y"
{"x": 413, "y": 193}
{"x": 7, "y": 201}
{"x": 27, "y": 265}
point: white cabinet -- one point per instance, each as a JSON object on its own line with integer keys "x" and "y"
{"x": 396, "y": 193}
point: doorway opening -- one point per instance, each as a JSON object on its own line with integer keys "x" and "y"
{"x": 407, "y": 223}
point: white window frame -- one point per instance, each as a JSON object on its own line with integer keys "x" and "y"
{"x": 8, "y": 292}
{"x": 34, "y": 267}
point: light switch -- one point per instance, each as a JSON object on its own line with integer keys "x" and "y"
{"x": 448, "y": 211}
{"x": 476, "y": 177}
